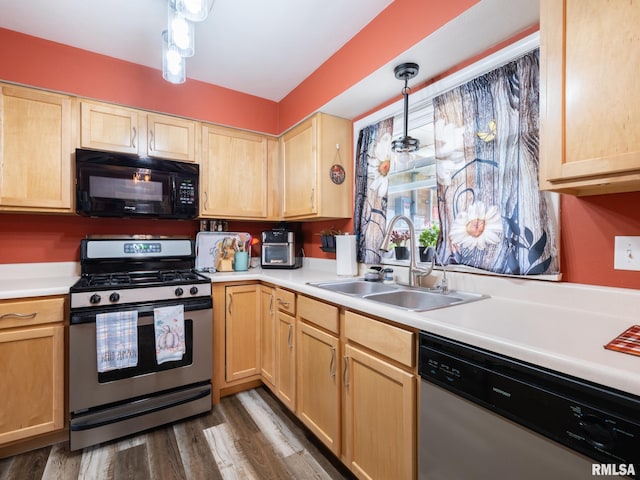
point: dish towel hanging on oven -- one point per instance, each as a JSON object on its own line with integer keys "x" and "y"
{"x": 169, "y": 330}
{"x": 117, "y": 340}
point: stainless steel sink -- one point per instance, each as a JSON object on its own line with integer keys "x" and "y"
{"x": 400, "y": 296}
{"x": 355, "y": 287}
{"x": 419, "y": 300}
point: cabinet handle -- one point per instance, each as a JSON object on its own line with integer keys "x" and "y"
{"x": 313, "y": 195}
{"x": 135, "y": 137}
{"x": 206, "y": 198}
{"x": 289, "y": 337}
{"x": 332, "y": 363}
{"x": 345, "y": 371}
{"x": 23, "y": 316}
{"x": 151, "y": 142}
{"x": 283, "y": 303}
{"x": 230, "y": 302}
{"x": 271, "y": 306}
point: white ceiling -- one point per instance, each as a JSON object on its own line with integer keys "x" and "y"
{"x": 266, "y": 48}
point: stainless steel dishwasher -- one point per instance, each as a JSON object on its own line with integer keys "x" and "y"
{"x": 486, "y": 416}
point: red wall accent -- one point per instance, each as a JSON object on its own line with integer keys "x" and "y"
{"x": 41, "y": 63}
{"x": 56, "y": 238}
{"x": 396, "y": 29}
{"x": 589, "y": 225}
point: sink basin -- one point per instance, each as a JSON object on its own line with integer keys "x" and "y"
{"x": 400, "y": 296}
{"x": 355, "y": 287}
{"x": 416, "y": 300}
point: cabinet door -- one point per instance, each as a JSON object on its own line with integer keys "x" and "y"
{"x": 35, "y": 150}
{"x": 242, "y": 332}
{"x": 381, "y": 417}
{"x": 300, "y": 164}
{"x": 111, "y": 128}
{"x": 267, "y": 336}
{"x": 32, "y": 382}
{"x": 234, "y": 173}
{"x": 318, "y": 392}
{"x": 171, "y": 137}
{"x": 286, "y": 360}
{"x": 589, "y": 131}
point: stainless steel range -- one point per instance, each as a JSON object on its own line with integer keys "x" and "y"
{"x": 132, "y": 367}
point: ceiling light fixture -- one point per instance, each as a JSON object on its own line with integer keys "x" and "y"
{"x": 178, "y": 41}
{"x": 406, "y": 144}
{"x": 173, "y": 64}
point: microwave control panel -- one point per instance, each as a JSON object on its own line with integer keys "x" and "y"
{"x": 186, "y": 192}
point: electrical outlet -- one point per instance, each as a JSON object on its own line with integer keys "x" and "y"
{"x": 626, "y": 254}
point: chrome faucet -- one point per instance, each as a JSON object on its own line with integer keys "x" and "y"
{"x": 414, "y": 270}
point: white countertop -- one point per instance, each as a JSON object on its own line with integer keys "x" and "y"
{"x": 560, "y": 326}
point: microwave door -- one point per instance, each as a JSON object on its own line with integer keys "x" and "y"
{"x": 125, "y": 191}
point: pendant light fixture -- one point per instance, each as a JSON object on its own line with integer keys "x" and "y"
{"x": 406, "y": 144}
{"x": 178, "y": 41}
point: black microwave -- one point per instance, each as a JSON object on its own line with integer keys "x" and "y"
{"x": 119, "y": 185}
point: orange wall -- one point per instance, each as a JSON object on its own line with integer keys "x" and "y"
{"x": 41, "y": 63}
{"x": 396, "y": 29}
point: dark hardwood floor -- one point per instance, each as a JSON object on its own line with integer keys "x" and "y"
{"x": 247, "y": 436}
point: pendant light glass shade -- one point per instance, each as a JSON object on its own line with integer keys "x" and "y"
{"x": 173, "y": 64}
{"x": 181, "y": 33}
{"x": 193, "y": 10}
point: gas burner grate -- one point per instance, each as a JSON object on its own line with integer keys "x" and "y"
{"x": 109, "y": 279}
{"x": 177, "y": 275}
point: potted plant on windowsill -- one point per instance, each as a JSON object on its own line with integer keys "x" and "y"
{"x": 428, "y": 240}
{"x": 399, "y": 240}
{"x": 328, "y": 239}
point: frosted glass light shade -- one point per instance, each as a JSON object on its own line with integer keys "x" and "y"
{"x": 194, "y": 10}
{"x": 181, "y": 33}
{"x": 173, "y": 64}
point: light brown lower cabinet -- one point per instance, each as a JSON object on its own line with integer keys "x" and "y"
{"x": 242, "y": 332}
{"x": 318, "y": 384}
{"x": 286, "y": 359}
{"x": 268, "y": 336}
{"x": 380, "y": 417}
{"x": 31, "y": 368}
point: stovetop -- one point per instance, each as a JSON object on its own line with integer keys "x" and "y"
{"x": 97, "y": 281}
{"x": 123, "y": 270}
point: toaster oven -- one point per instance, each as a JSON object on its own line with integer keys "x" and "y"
{"x": 280, "y": 250}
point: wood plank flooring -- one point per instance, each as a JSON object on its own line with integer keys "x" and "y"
{"x": 247, "y": 436}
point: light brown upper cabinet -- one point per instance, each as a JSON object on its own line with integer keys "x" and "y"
{"x": 317, "y": 167}
{"x": 233, "y": 178}
{"x": 589, "y": 115}
{"x": 35, "y": 150}
{"x": 126, "y": 130}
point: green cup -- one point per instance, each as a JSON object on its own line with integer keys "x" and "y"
{"x": 241, "y": 261}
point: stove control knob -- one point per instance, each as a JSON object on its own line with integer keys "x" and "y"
{"x": 179, "y": 292}
{"x": 193, "y": 290}
{"x": 114, "y": 297}
{"x": 95, "y": 299}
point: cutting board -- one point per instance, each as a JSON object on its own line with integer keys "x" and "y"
{"x": 215, "y": 250}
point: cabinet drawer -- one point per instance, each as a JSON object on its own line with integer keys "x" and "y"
{"x": 286, "y": 301}
{"x": 393, "y": 342}
{"x": 21, "y": 313}
{"x": 320, "y": 313}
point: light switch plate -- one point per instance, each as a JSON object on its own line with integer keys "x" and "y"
{"x": 626, "y": 255}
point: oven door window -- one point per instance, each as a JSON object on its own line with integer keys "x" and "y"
{"x": 147, "y": 355}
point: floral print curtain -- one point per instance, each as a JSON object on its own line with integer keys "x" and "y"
{"x": 373, "y": 162}
{"x": 492, "y": 213}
